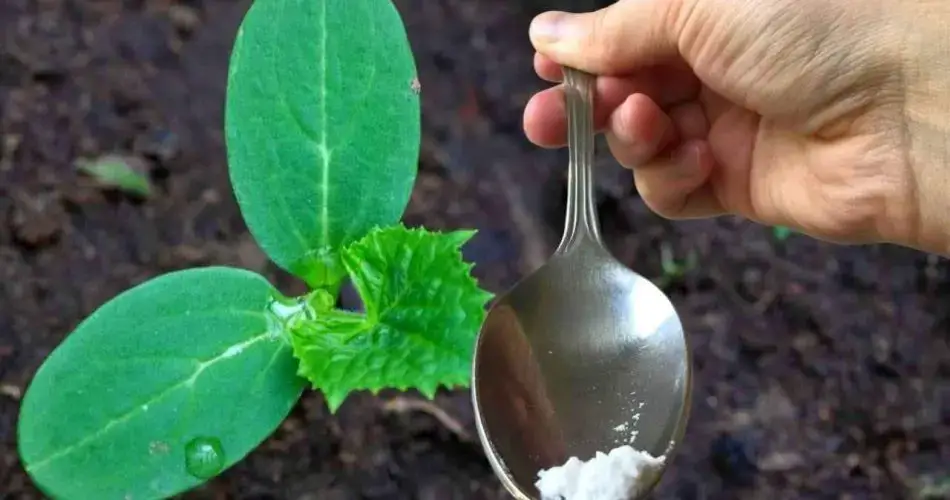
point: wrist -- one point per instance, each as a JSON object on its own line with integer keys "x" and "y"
{"x": 926, "y": 77}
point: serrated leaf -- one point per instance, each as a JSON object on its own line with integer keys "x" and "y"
{"x": 118, "y": 172}
{"x": 423, "y": 312}
{"x": 323, "y": 127}
{"x": 189, "y": 355}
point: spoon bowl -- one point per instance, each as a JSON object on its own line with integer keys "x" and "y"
{"x": 584, "y": 355}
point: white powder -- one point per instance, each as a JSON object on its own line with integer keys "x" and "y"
{"x": 621, "y": 474}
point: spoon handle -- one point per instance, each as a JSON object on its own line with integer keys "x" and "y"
{"x": 581, "y": 218}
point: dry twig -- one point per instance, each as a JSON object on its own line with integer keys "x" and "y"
{"x": 403, "y": 405}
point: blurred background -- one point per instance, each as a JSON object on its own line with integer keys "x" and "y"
{"x": 821, "y": 371}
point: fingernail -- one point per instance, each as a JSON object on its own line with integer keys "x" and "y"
{"x": 547, "y": 27}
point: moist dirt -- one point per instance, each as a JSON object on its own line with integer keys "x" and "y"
{"x": 821, "y": 371}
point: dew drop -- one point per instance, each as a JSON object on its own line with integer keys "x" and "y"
{"x": 204, "y": 457}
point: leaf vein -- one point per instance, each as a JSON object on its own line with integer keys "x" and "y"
{"x": 324, "y": 151}
{"x": 187, "y": 382}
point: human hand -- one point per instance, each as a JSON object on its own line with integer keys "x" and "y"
{"x": 821, "y": 115}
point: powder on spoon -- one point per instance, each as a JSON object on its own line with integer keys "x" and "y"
{"x": 621, "y": 474}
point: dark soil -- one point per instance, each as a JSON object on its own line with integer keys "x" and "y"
{"x": 821, "y": 371}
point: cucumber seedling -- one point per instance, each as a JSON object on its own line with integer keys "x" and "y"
{"x": 175, "y": 380}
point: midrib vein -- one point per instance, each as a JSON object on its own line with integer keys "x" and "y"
{"x": 202, "y": 366}
{"x": 324, "y": 150}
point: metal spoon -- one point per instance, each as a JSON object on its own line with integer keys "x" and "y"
{"x": 584, "y": 355}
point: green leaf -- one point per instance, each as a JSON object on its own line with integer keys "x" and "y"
{"x": 323, "y": 127}
{"x": 423, "y": 312}
{"x": 124, "y": 173}
{"x": 190, "y": 357}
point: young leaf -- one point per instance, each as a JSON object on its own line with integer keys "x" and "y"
{"x": 166, "y": 384}
{"x": 123, "y": 173}
{"x": 322, "y": 126}
{"x": 423, "y": 312}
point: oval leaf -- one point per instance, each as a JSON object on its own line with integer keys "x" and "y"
{"x": 183, "y": 371}
{"x": 323, "y": 127}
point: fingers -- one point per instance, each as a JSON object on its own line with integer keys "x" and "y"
{"x": 690, "y": 120}
{"x": 547, "y": 69}
{"x": 621, "y": 37}
{"x": 667, "y": 83}
{"x": 676, "y": 186}
{"x": 656, "y": 129}
{"x": 638, "y": 130}
{"x": 671, "y": 160}
{"x": 545, "y": 121}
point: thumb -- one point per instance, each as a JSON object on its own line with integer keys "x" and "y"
{"x": 626, "y": 35}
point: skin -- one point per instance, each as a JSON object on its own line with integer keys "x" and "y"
{"x": 828, "y": 116}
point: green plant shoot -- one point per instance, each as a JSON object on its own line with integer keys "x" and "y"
{"x": 114, "y": 171}
{"x": 674, "y": 270}
{"x": 175, "y": 380}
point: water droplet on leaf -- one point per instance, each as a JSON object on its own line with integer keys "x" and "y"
{"x": 204, "y": 457}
